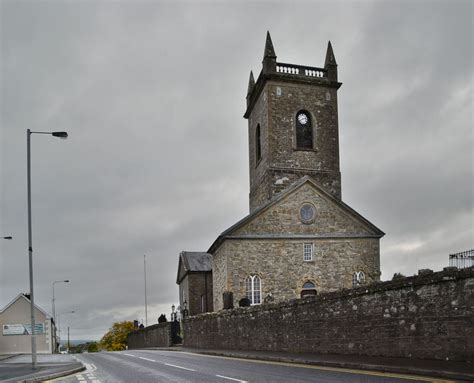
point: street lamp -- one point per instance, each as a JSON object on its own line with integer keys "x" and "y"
{"x": 146, "y": 305}
{"x": 62, "y": 135}
{"x": 54, "y": 309}
{"x": 9, "y": 237}
{"x": 173, "y": 313}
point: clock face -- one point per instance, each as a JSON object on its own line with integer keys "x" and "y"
{"x": 307, "y": 213}
{"x": 302, "y": 118}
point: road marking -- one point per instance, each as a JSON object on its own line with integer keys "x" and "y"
{"x": 183, "y": 368}
{"x": 150, "y": 360}
{"x": 335, "y": 369}
{"x": 130, "y": 355}
{"x": 236, "y": 380}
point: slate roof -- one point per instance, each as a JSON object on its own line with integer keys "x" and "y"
{"x": 193, "y": 261}
{"x": 197, "y": 261}
{"x": 227, "y": 233}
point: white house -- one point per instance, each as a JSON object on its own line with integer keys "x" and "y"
{"x": 15, "y": 324}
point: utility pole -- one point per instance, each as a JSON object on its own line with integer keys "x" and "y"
{"x": 146, "y": 308}
{"x": 68, "y": 339}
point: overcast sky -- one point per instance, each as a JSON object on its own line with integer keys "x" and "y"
{"x": 152, "y": 95}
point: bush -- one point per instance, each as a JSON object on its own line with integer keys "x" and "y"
{"x": 398, "y": 276}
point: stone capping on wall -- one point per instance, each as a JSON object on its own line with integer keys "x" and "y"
{"x": 425, "y": 277}
{"x": 152, "y": 327}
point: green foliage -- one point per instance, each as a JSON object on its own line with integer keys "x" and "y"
{"x": 92, "y": 347}
{"x": 116, "y": 338}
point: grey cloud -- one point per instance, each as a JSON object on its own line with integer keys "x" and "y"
{"x": 153, "y": 93}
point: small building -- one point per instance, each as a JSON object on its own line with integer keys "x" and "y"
{"x": 195, "y": 282}
{"x": 15, "y": 322}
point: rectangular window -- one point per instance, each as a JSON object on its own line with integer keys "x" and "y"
{"x": 308, "y": 252}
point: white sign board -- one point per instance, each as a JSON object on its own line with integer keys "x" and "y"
{"x": 22, "y": 329}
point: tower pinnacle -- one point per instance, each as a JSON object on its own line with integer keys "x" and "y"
{"x": 269, "y": 56}
{"x": 330, "y": 64}
{"x": 250, "y": 88}
{"x": 330, "y": 59}
{"x": 269, "y": 51}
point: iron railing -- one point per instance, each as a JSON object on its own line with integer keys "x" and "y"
{"x": 462, "y": 259}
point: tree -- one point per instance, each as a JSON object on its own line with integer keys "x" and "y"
{"x": 116, "y": 338}
{"x": 92, "y": 347}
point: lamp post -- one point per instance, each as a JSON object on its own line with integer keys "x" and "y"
{"x": 146, "y": 305}
{"x": 173, "y": 313}
{"x": 53, "y": 304}
{"x": 30, "y": 242}
{"x": 54, "y": 310}
{"x": 59, "y": 317}
{"x": 8, "y": 237}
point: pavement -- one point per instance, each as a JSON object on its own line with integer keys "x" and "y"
{"x": 17, "y": 368}
{"x": 462, "y": 371}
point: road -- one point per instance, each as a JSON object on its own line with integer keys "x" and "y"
{"x": 179, "y": 367}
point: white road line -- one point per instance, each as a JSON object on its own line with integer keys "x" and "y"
{"x": 150, "y": 360}
{"x": 130, "y": 355}
{"x": 236, "y": 380}
{"x": 183, "y": 368}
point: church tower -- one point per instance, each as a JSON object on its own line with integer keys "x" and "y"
{"x": 293, "y": 126}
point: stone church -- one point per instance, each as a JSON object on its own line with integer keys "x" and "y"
{"x": 300, "y": 238}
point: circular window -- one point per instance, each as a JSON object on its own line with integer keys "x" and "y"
{"x": 307, "y": 213}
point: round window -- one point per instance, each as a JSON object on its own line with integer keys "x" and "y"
{"x": 307, "y": 213}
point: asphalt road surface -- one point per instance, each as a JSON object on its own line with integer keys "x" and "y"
{"x": 178, "y": 367}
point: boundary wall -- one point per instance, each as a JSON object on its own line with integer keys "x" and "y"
{"x": 426, "y": 316}
{"x": 157, "y": 335}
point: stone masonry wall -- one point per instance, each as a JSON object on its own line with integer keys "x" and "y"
{"x": 427, "y": 316}
{"x": 342, "y": 246}
{"x": 199, "y": 282}
{"x": 276, "y": 111}
{"x": 158, "y": 335}
{"x": 257, "y": 168}
{"x": 282, "y": 270}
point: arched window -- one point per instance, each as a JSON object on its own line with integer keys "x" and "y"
{"x": 304, "y": 130}
{"x": 358, "y": 278}
{"x": 253, "y": 289}
{"x": 308, "y": 289}
{"x": 258, "y": 144}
